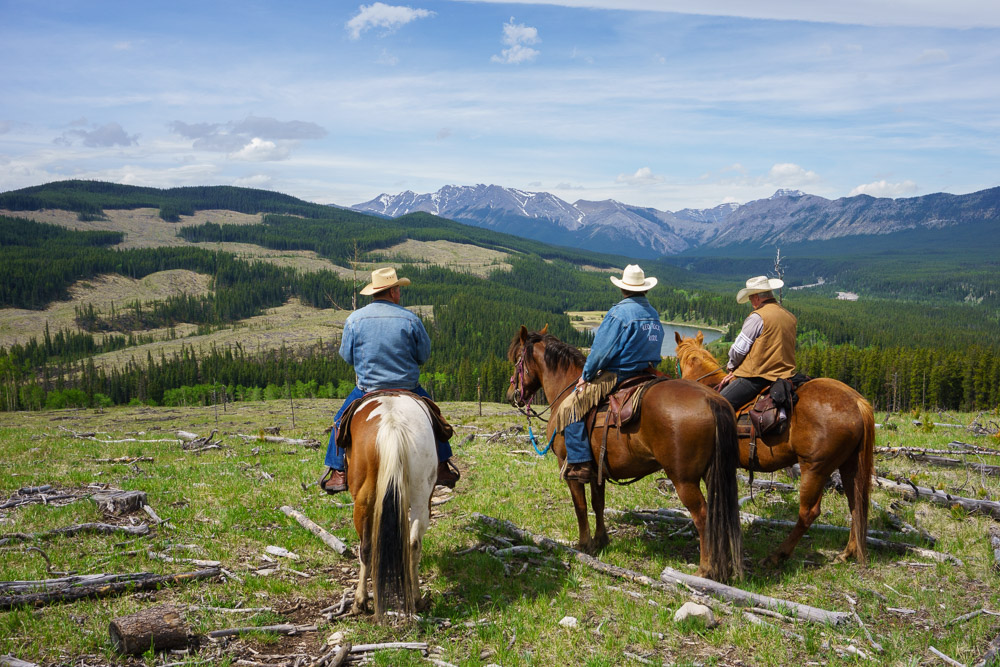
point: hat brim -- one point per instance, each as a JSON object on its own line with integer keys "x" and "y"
{"x": 647, "y": 284}
{"x": 370, "y": 288}
{"x": 772, "y": 284}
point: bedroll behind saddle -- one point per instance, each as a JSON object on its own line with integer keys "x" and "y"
{"x": 442, "y": 429}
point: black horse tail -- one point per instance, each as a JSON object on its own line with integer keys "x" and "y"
{"x": 723, "y": 535}
{"x": 392, "y": 583}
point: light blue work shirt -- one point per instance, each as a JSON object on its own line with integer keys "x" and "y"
{"x": 386, "y": 344}
{"x": 628, "y": 340}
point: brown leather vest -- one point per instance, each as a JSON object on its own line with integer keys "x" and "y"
{"x": 772, "y": 355}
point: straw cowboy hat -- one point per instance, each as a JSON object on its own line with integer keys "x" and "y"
{"x": 634, "y": 280}
{"x": 383, "y": 279}
{"x": 756, "y": 286}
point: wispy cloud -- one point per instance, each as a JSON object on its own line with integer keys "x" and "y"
{"x": 103, "y": 136}
{"x": 933, "y": 56}
{"x": 884, "y": 188}
{"x": 274, "y": 137}
{"x": 381, "y": 15}
{"x": 517, "y": 36}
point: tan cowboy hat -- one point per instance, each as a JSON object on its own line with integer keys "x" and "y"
{"x": 756, "y": 286}
{"x": 634, "y": 280}
{"x": 383, "y": 279}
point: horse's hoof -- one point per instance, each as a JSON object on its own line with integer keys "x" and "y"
{"x": 586, "y": 547}
{"x": 775, "y": 560}
{"x": 423, "y": 603}
{"x": 359, "y": 609}
{"x": 600, "y": 543}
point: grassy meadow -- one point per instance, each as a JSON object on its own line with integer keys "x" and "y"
{"x": 223, "y": 505}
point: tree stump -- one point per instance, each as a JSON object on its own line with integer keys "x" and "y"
{"x": 117, "y": 502}
{"x": 160, "y": 627}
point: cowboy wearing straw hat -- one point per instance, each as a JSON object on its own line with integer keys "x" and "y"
{"x": 765, "y": 349}
{"x": 386, "y": 344}
{"x": 626, "y": 344}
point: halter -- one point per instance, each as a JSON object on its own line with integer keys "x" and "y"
{"x": 517, "y": 381}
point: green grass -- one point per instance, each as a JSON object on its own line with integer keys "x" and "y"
{"x": 222, "y": 502}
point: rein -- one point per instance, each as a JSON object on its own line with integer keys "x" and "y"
{"x": 517, "y": 381}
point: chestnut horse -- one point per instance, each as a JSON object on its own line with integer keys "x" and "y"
{"x": 683, "y": 428}
{"x": 392, "y": 466}
{"x": 832, "y": 428}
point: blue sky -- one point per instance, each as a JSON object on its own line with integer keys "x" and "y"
{"x": 663, "y": 103}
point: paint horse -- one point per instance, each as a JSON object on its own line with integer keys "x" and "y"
{"x": 831, "y": 428}
{"x": 683, "y": 428}
{"x": 392, "y": 466}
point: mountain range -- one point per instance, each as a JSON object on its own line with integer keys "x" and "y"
{"x": 788, "y": 216}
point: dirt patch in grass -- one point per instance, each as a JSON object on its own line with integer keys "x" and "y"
{"x": 18, "y": 325}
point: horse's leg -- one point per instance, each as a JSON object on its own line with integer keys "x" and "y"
{"x": 363, "y": 525}
{"x": 578, "y": 493}
{"x": 810, "y": 495}
{"x": 597, "y": 503}
{"x": 849, "y": 476}
{"x": 690, "y": 494}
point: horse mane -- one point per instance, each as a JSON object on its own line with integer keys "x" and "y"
{"x": 558, "y": 355}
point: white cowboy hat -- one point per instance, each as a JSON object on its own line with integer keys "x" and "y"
{"x": 383, "y": 279}
{"x": 756, "y": 286}
{"x": 634, "y": 280}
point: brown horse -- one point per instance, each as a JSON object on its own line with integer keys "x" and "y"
{"x": 683, "y": 428}
{"x": 832, "y": 428}
{"x": 392, "y": 466}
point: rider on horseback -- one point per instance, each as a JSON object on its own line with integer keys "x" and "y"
{"x": 764, "y": 351}
{"x": 386, "y": 344}
{"x": 627, "y": 343}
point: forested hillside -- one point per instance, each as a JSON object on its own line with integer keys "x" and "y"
{"x": 926, "y": 333}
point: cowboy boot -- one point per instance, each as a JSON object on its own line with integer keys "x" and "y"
{"x": 580, "y": 472}
{"x": 334, "y": 481}
{"x": 447, "y": 474}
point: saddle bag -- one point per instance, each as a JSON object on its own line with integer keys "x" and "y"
{"x": 766, "y": 416}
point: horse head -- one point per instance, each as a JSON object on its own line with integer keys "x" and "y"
{"x": 526, "y": 380}
{"x": 693, "y": 360}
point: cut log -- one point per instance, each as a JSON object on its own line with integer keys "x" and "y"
{"x": 990, "y": 507}
{"x": 160, "y": 627}
{"x": 11, "y": 661}
{"x": 317, "y": 530}
{"x": 284, "y": 628}
{"x": 685, "y": 582}
{"x": 117, "y": 585}
{"x": 117, "y": 502}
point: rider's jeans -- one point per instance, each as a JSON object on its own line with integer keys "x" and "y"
{"x": 577, "y": 443}
{"x": 741, "y": 391}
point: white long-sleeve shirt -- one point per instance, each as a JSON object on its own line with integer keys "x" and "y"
{"x": 752, "y": 327}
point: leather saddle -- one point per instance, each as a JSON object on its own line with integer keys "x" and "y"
{"x": 442, "y": 429}
{"x": 771, "y": 409}
{"x": 623, "y": 405}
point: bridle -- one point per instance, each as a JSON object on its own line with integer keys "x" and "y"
{"x": 517, "y": 383}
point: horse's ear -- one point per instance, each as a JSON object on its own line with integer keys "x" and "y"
{"x": 524, "y": 333}
{"x": 677, "y": 337}
{"x": 545, "y": 329}
{"x": 700, "y": 338}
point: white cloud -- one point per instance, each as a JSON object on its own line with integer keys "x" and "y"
{"x": 261, "y": 150}
{"x": 381, "y": 15}
{"x": 642, "y": 176}
{"x": 517, "y": 36}
{"x": 789, "y": 174}
{"x": 103, "y": 136}
{"x": 386, "y": 58}
{"x": 933, "y": 56}
{"x": 884, "y": 188}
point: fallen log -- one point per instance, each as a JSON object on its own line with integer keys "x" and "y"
{"x": 308, "y": 443}
{"x": 133, "y": 459}
{"x": 992, "y": 654}
{"x": 11, "y": 661}
{"x": 30, "y": 490}
{"x": 685, "y": 582}
{"x": 123, "y": 584}
{"x": 966, "y": 449}
{"x": 912, "y": 491}
{"x": 76, "y": 529}
{"x": 948, "y": 462}
{"x": 314, "y": 528}
{"x": 159, "y": 628}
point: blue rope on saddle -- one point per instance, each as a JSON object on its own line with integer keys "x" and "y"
{"x": 534, "y": 443}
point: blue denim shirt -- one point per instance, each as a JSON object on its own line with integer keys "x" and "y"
{"x": 386, "y": 344}
{"x": 628, "y": 340}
